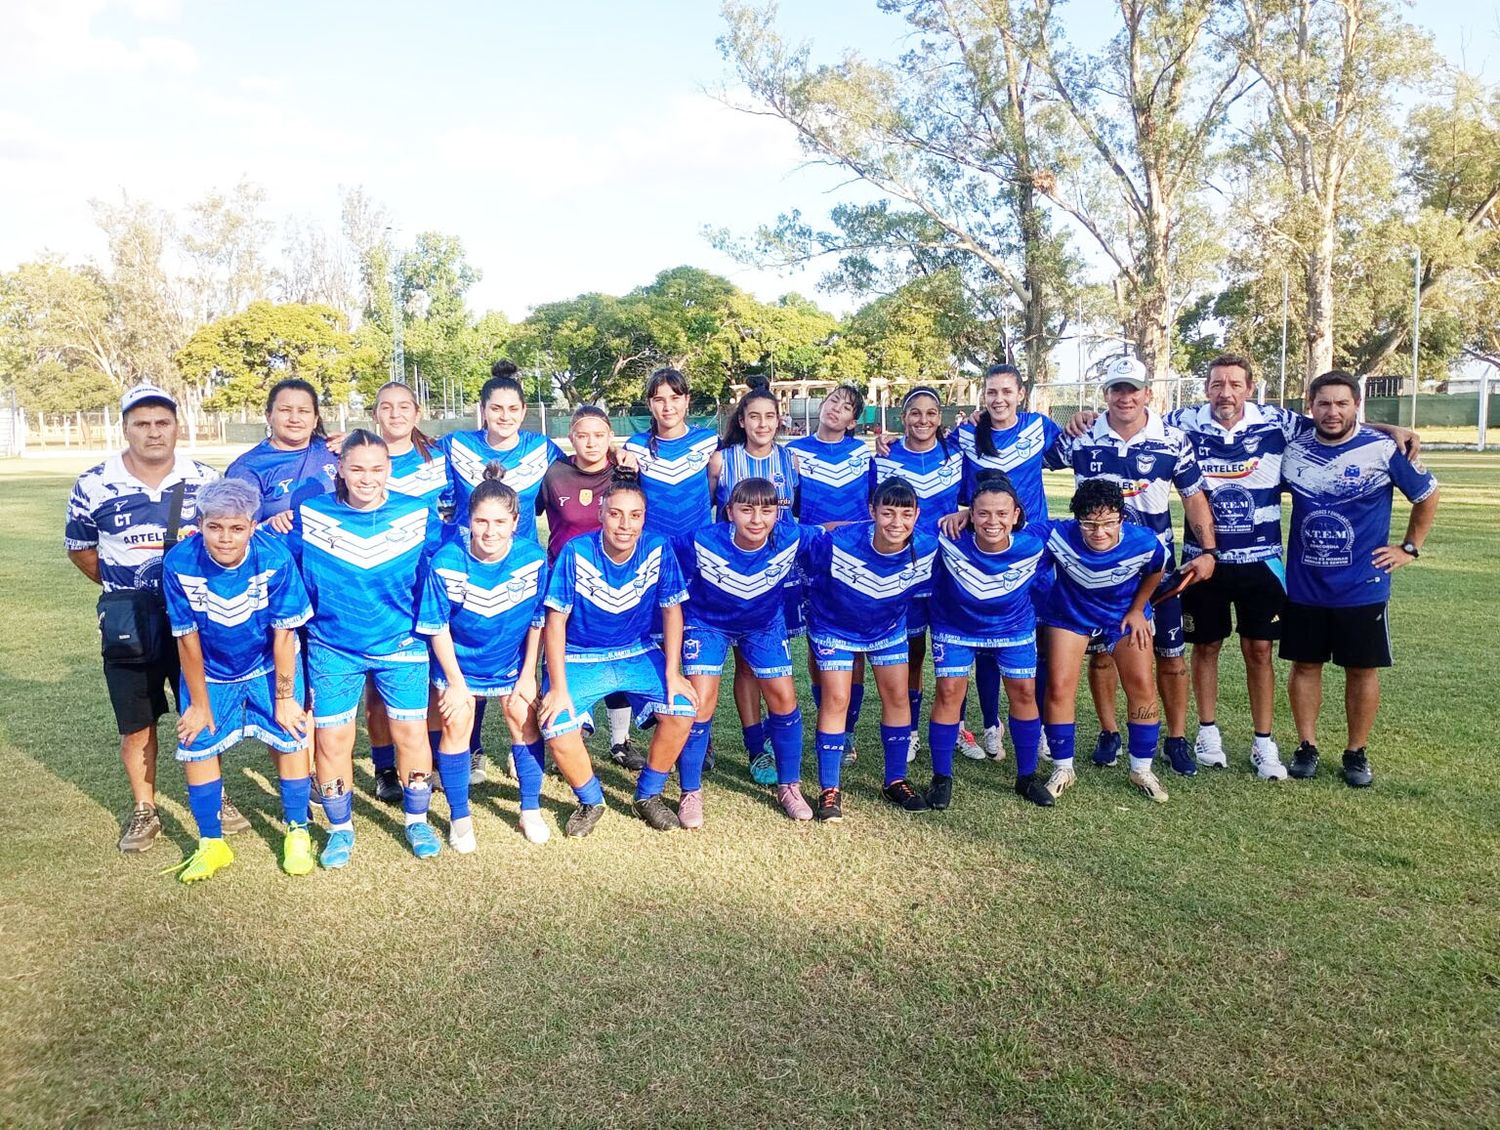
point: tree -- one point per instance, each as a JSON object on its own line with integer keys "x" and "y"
{"x": 60, "y": 317}
{"x": 223, "y": 240}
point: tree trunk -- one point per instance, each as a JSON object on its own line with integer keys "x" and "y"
{"x": 1318, "y": 354}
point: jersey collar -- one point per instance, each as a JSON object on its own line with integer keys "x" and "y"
{"x": 182, "y": 470}
{"x": 1154, "y": 429}
{"x": 1252, "y": 417}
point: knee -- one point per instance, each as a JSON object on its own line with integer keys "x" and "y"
{"x": 950, "y": 691}
{"x": 781, "y": 700}
{"x": 1100, "y": 662}
{"x": 1207, "y": 652}
{"x": 1021, "y": 695}
{"x": 1257, "y": 652}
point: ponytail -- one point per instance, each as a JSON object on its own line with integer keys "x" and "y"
{"x": 491, "y": 489}
{"x": 674, "y": 381}
{"x": 984, "y": 430}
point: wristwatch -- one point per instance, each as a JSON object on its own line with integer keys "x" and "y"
{"x": 1211, "y": 551}
{"x": 1410, "y": 549}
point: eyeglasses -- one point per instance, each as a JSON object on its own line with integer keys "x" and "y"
{"x": 1099, "y": 527}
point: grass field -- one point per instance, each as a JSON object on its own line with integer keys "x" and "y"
{"x": 1282, "y": 955}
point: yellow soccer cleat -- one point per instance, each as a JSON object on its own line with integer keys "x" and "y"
{"x": 296, "y": 851}
{"x": 211, "y": 856}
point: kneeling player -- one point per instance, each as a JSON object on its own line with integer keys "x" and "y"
{"x": 1107, "y": 569}
{"x": 982, "y": 607}
{"x": 235, "y": 599}
{"x": 601, "y": 600}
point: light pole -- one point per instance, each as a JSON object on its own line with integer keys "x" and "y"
{"x": 1416, "y": 331}
{"x": 1285, "y": 300}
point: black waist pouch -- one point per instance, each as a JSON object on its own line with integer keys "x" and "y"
{"x": 133, "y": 626}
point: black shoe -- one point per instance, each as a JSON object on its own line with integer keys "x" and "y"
{"x": 479, "y": 767}
{"x": 657, "y": 813}
{"x": 624, "y": 755}
{"x": 1357, "y": 773}
{"x": 582, "y": 819}
{"x": 903, "y": 796}
{"x": 1029, "y": 788}
{"x": 940, "y": 792}
{"x": 1304, "y": 764}
{"x": 830, "y": 806}
{"x": 388, "y": 787}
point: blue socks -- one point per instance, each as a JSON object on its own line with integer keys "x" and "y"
{"x": 527, "y": 759}
{"x": 590, "y": 792}
{"x": 476, "y": 738}
{"x": 650, "y": 783}
{"x": 786, "y": 744}
{"x": 339, "y": 810}
{"x": 987, "y": 686}
{"x": 1060, "y": 741}
{"x": 942, "y": 737}
{"x": 1026, "y": 736}
{"x": 694, "y": 751}
{"x": 383, "y": 757}
{"x": 895, "y": 740}
{"x": 856, "y": 702}
{"x": 296, "y": 793}
{"x": 453, "y": 771}
{"x": 434, "y": 739}
{"x": 415, "y": 798}
{"x": 1142, "y": 738}
{"x": 206, "y": 800}
{"x": 914, "y": 700}
{"x": 830, "y": 759}
{"x": 817, "y": 693}
{"x": 755, "y": 739}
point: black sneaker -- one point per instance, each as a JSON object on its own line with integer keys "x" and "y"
{"x": 582, "y": 819}
{"x": 657, "y": 813}
{"x": 1357, "y": 773}
{"x": 388, "y": 786}
{"x": 1029, "y": 788}
{"x": 940, "y": 792}
{"x": 624, "y": 755}
{"x": 479, "y": 767}
{"x": 830, "y": 806}
{"x": 900, "y": 793}
{"x": 1304, "y": 764}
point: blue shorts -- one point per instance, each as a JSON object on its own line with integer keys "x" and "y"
{"x": 833, "y": 654}
{"x": 246, "y": 709}
{"x": 338, "y": 684}
{"x": 794, "y": 608}
{"x": 918, "y": 615}
{"x": 1100, "y": 639}
{"x": 642, "y": 679}
{"x": 705, "y": 649}
{"x": 496, "y": 686}
{"x": 950, "y": 660}
{"x": 1168, "y": 642}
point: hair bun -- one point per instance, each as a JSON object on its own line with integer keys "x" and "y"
{"x": 494, "y": 471}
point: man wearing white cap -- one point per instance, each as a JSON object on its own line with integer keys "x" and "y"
{"x": 123, "y": 515}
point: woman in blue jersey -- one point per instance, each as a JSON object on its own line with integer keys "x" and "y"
{"x": 293, "y": 463}
{"x": 1107, "y": 569}
{"x": 736, "y": 574}
{"x": 362, "y": 552}
{"x": 981, "y": 605}
{"x": 860, "y": 579}
{"x": 495, "y": 583}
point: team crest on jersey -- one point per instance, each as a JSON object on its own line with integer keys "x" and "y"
{"x": 1351, "y": 471}
{"x": 1252, "y": 444}
{"x": 284, "y": 487}
{"x": 691, "y": 649}
{"x": 585, "y": 496}
{"x": 1145, "y": 464}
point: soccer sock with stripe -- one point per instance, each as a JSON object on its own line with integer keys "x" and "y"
{"x": 987, "y": 687}
{"x": 1061, "y": 738}
{"x": 382, "y": 757}
{"x": 338, "y": 806}
{"x": 453, "y": 771}
{"x": 895, "y": 740}
{"x": 830, "y": 759}
{"x": 1026, "y": 736}
{"x": 296, "y": 793}
{"x": 416, "y": 795}
{"x": 694, "y": 752}
{"x": 1143, "y": 738}
{"x": 942, "y": 737}
{"x": 786, "y": 744}
{"x": 207, "y": 801}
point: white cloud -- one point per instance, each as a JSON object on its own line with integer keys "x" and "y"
{"x": 52, "y": 36}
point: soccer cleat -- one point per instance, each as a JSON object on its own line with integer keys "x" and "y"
{"x": 388, "y": 786}
{"x": 690, "y": 809}
{"x": 141, "y": 829}
{"x": 830, "y": 806}
{"x": 969, "y": 747}
{"x": 792, "y": 802}
{"x": 763, "y": 769}
{"x": 424, "y": 841}
{"x": 940, "y": 792}
{"x": 624, "y": 755}
{"x": 1267, "y": 761}
{"x": 900, "y": 793}
{"x": 1305, "y": 762}
{"x": 913, "y": 743}
{"x": 851, "y": 752}
{"x": 1063, "y": 778}
{"x": 1146, "y": 781}
{"x": 1357, "y": 774}
{"x": 994, "y": 743}
{"x": 461, "y": 835}
{"x": 1181, "y": 761}
{"x": 1208, "y": 748}
{"x": 533, "y": 827}
{"x": 1107, "y": 749}
{"x": 212, "y": 855}
{"x": 1029, "y": 788}
{"x": 479, "y": 767}
{"x": 657, "y": 814}
{"x": 582, "y": 819}
{"x": 296, "y": 851}
{"x": 231, "y": 819}
{"x": 337, "y": 850}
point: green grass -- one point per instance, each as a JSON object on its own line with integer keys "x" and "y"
{"x": 1247, "y": 955}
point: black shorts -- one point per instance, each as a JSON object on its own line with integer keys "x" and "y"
{"x": 1254, "y": 591}
{"x": 1352, "y": 637}
{"x": 138, "y": 691}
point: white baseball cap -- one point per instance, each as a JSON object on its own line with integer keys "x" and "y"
{"x": 142, "y": 393}
{"x": 1124, "y": 370}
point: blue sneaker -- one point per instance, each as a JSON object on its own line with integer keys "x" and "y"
{"x": 1107, "y": 749}
{"x": 425, "y": 843}
{"x": 1181, "y": 758}
{"x": 763, "y": 769}
{"x": 337, "y": 850}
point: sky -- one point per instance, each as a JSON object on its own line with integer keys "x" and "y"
{"x": 572, "y": 146}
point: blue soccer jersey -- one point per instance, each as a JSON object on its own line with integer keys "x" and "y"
{"x": 1020, "y": 451}
{"x": 736, "y": 591}
{"x": 491, "y": 606}
{"x": 675, "y": 479}
{"x": 1146, "y": 466}
{"x": 612, "y": 607}
{"x": 984, "y": 599}
{"x": 1093, "y": 590}
{"x": 125, "y": 521}
{"x": 1242, "y": 473}
{"x": 937, "y": 475}
{"x": 834, "y": 479}
{"x": 468, "y": 454}
{"x": 1341, "y": 514}
{"x": 858, "y": 596}
{"x": 426, "y": 479}
{"x": 364, "y": 570}
{"x": 737, "y": 464}
{"x": 286, "y": 479}
{"x": 234, "y": 609}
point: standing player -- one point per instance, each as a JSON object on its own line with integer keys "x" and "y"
{"x": 603, "y": 599}
{"x": 1339, "y": 564}
{"x": 293, "y": 463}
{"x": 235, "y": 600}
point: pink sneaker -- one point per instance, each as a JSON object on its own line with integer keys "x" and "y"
{"x": 690, "y": 809}
{"x": 792, "y": 802}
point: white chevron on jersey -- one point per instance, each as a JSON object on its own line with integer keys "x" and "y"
{"x": 680, "y": 468}
{"x": 590, "y": 583}
{"x": 1094, "y": 578}
{"x": 228, "y": 610}
{"x": 986, "y": 586}
{"x": 860, "y": 577}
{"x": 490, "y": 602}
{"x": 428, "y": 476}
{"x": 328, "y": 534}
{"x": 467, "y": 463}
{"x": 722, "y": 575}
{"x": 936, "y": 481}
{"x": 1030, "y": 442}
{"x": 852, "y": 470}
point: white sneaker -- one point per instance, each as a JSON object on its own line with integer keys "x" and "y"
{"x": 968, "y": 747}
{"x": 533, "y": 827}
{"x": 461, "y": 835}
{"x": 912, "y": 743}
{"x": 1146, "y": 781}
{"x": 994, "y": 746}
{"x": 1267, "y": 761}
{"x": 1208, "y": 749}
{"x": 1061, "y": 780}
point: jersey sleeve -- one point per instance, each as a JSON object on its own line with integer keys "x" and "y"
{"x": 1416, "y": 483}
{"x": 179, "y": 609}
{"x": 80, "y": 530}
{"x": 241, "y": 469}
{"x": 1186, "y": 475}
{"x": 294, "y": 536}
{"x": 432, "y": 602}
{"x": 813, "y": 554}
{"x": 1059, "y": 456}
{"x": 539, "y": 604}
{"x": 561, "y": 584}
{"x": 671, "y": 588}
{"x": 1293, "y": 424}
{"x": 287, "y": 598}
